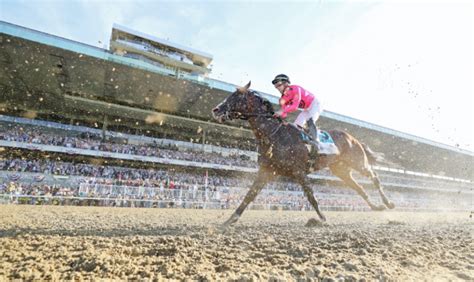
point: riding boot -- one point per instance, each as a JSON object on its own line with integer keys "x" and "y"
{"x": 322, "y": 148}
{"x": 313, "y": 132}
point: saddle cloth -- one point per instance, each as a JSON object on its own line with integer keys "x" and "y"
{"x": 324, "y": 137}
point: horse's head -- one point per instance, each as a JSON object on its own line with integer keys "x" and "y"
{"x": 242, "y": 104}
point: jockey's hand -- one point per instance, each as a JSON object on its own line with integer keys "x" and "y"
{"x": 279, "y": 114}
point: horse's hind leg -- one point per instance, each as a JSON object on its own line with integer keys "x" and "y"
{"x": 310, "y": 195}
{"x": 344, "y": 173}
{"x": 263, "y": 177}
{"x": 368, "y": 172}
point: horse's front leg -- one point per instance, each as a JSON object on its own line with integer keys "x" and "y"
{"x": 263, "y": 177}
{"x": 303, "y": 181}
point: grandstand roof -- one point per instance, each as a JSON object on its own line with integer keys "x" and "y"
{"x": 79, "y": 80}
{"x": 193, "y": 54}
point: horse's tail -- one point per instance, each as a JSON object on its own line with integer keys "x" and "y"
{"x": 375, "y": 157}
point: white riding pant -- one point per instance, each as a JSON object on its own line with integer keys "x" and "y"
{"x": 314, "y": 111}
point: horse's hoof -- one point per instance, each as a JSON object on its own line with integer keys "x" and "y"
{"x": 313, "y": 222}
{"x": 233, "y": 219}
{"x": 390, "y": 205}
{"x": 378, "y": 208}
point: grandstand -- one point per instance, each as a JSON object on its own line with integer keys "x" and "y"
{"x": 117, "y": 126}
{"x": 180, "y": 59}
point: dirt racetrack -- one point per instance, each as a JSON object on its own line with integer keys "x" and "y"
{"x": 49, "y": 242}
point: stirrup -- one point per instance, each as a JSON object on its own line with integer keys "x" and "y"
{"x": 313, "y": 149}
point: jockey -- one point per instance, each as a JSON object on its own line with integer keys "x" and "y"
{"x": 294, "y": 97}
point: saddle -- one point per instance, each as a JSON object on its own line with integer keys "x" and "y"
{"x": 324, "y": 154}
{"x": 326, "y": 143}
{"x": 324, "y": 137}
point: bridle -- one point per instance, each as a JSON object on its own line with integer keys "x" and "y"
{"x": 245, "y": 116}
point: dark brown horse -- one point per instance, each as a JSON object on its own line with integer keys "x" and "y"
{"x": 282, "y": 151}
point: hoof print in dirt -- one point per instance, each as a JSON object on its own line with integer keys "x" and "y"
{"x": 313, "y": 222}
{"x": 395, "y": 222}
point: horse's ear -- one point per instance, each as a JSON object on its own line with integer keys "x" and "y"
{"x": 245, "y": 88}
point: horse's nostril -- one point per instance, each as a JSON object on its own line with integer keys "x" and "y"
{"x": 215, "y": 110}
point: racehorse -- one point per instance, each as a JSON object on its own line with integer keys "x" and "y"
{"x": 283, "y": 152}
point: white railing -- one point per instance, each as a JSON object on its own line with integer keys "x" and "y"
{"x": 149, "y": 203}
{"x": 222, "y": 198}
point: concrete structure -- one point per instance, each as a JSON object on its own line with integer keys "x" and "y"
{"x": 159, "y": 52}
{"x": 59, "y": 79}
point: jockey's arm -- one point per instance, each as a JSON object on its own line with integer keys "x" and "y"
{"x": 289, "y": 102}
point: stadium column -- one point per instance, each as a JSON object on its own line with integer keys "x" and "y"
{"x": 203, "y": 137}
{"x": 104, "y": 127}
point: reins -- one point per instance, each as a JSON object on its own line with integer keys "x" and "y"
{"x": 247, "y": 115}
{"x": 251, "y": 115}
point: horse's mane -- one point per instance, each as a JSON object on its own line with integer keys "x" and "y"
{"x": 264, "y": 102}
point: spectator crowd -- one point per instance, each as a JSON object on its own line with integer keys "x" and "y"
{"x": 90, "y": 141}
{"x": 125, "y": 186}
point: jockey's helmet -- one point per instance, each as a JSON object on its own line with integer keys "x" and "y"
{"x": 281, "y": 77}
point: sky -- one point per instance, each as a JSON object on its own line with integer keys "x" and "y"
{"x": 405, "y": 65}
